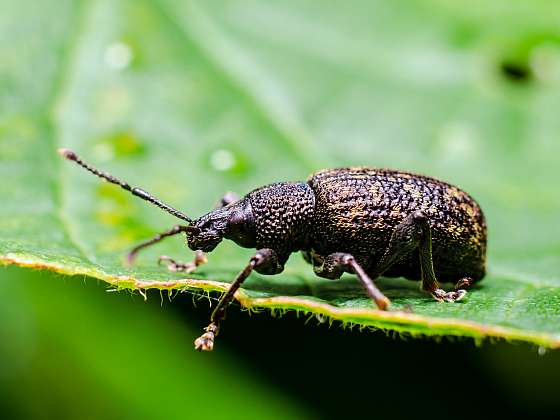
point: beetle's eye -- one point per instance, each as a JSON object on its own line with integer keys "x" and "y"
{"x": 236, "y": 219}
{"x": 237, "y": 224}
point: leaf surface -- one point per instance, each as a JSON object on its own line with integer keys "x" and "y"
{"x": 192, "y": 99}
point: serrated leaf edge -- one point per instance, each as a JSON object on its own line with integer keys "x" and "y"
{"x": 402, "y": 322}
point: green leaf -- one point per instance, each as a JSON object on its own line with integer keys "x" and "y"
{"x": 191, "y": 99}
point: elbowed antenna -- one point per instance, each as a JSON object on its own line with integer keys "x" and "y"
{"x": 70, "y": 155}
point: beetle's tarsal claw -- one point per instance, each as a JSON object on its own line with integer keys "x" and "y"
{"x": 441, "y": 295}
{"x": 464, "y": 283}
{"x": 459, "y": 294}
{"x": 172, "y": 265}
{"x": 190, "y": 267}
{"x": 383, "y": 303}
{"x": 206, "y": 341}
{"x": 200, "y": 258}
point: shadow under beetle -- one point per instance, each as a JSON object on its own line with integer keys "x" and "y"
{"x": 365, "y": 221}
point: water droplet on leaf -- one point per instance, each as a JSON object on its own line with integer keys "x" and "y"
{"x": 118, "y": 55}
{"x": 222, "y": 160}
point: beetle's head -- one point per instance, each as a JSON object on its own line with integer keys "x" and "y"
{"x": 234, "y": 221}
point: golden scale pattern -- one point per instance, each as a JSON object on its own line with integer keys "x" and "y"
{"x": 359, "y": 208}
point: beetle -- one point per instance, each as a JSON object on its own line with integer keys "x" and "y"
{"x": 364, "y": 221}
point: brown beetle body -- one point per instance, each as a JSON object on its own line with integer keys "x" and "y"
{"x": 358, "y": 209}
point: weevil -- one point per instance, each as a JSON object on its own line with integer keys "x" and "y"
{"x": 364, "y": 221}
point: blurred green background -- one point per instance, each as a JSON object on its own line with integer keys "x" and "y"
{"x": 468, "y": 91}
{"x": 71, "y": 350}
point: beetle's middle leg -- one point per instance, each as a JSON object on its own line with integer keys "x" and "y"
{"x": 415, "y": 233}
{"x": 333, "y": 265}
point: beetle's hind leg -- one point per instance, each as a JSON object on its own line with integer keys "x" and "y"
{"x": 459, "y": 291}
{"x": 415, "y": 232}
{"x": 429, "y": 281}
{"x": 464, "y": 283}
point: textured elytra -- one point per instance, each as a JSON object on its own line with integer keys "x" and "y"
{"x": 358, "y": 209}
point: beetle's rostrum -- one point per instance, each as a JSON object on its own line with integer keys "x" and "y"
{"x": 365, "y": 221}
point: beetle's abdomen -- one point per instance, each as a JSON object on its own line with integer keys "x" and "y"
{"x": 357, "y": 210}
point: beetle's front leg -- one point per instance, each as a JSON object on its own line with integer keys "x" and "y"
{"x": 265, "y": 261}
{"x": 175, "y": 230}
{"x": 189, "y": 267}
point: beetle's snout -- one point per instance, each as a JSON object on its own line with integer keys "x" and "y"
{"x": 204, "y": 240}
{"x": 208, "y": 232}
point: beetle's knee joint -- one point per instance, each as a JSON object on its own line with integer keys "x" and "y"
{"x": 419, "y": 216}
{"x": 266, "y": 262}
{"x": 347, "y": 260}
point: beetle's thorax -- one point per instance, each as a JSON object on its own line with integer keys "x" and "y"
{"x": 282, "y": 215}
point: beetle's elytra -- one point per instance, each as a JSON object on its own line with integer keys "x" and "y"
{"x": 365, "y": 221}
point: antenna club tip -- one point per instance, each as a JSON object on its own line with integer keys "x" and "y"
{"x": 67, "y": 154}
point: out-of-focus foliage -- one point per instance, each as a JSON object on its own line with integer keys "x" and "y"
{"x": 188, "y": 99}
{"x": 74, "y": 352}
